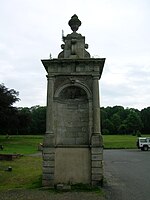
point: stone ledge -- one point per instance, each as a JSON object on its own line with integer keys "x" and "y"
{"x": 72, "y": 146}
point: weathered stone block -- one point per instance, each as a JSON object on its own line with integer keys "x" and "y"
{"x": 60, "y": 186}
{"x": 48, "y": 183}
{"x": 97, "y": 182}
{"x": 48, "y": 170}
{"x": 63, "y": 187}
{"x": 48, "y": 150}
{"x": 97, "y": 140}
{"x": 97, "y": 150}
{"x": 81, "y": 141}
{"x": 97, "y": 157}
{"x": 97, "y": 163}
{"x": 48, "y": 176}
{"x": 48, "y": 163}
{"x": 97, "y": 170}
{"x": 72, "y": 165}
{"x": 97, "y": 177}
{"x": 49, "y": 140}
{"x": 68, "y": 141}
{"x": 49, "y": 157}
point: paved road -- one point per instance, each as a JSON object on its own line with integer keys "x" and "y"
{"x": 127, "y": 173}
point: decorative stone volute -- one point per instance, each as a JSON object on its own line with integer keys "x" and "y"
{"x": 74, "y": 46}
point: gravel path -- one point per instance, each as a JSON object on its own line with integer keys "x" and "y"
{"x": 30, "y": 194}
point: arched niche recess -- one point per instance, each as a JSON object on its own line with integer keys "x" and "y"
{"x": 72, "y": 115}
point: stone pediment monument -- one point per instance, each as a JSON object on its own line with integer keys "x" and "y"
{"x": 73, "y": 145}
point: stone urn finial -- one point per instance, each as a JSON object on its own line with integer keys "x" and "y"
{"x": 74, "y": 23}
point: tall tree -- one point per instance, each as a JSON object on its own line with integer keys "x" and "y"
{"x": 38, "y": 114}
{"x": 25, "y": 119}
{"x": 145, "y": 116}
{"x": 8, "y": 113}
{"x": 133, "y": 122}
{"x": 108, "y": 127}
{"x": 116, "y": 121}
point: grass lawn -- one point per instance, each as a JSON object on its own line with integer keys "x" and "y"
{"x": 26, "y": 173}
{"x": 27, "y": 170}
{"x": 120, "y": 141}
{"x": 20, "y": 144}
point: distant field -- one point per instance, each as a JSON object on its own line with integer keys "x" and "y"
{"x": 20, "y": 144}
{"x": 120, "y": 141}
{"x": 28, "y": 144}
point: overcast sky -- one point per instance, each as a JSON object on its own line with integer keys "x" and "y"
{"x": 118, "y": 30}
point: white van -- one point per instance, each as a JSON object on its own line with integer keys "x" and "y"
{"x": 143, "y": 143}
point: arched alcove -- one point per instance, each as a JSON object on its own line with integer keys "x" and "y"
{"x": 72, "y": 114}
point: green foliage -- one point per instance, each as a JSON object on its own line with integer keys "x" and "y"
{"x": 8, "y": 113}
{"x": 32, "y": 120}
{"x": 123, "y": 129}
{"x": 108, "y": 125}
{"x": 145, "y": 116}
{"x": 117, "y": 120}
{"x": 133, "y": 122}
{"x": 38, "y": 115}
{"x": 105, "y": 131}
{"x": 7, "y": 96}
{"x": 138, "y": 133}
{"x": 25, "y": 120}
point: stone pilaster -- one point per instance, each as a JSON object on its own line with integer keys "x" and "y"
{"x": 50, "y": 94}
{"x": 96, "y": 140}
{"x": 97, "y": 165}
{"x": 48, "y": 166}
{"x": 48, "y": 149}
{"x": 49, "y": 136}
{"x": 96, "y": 107}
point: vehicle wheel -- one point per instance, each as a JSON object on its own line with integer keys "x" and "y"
{"x": 145, "y": 148}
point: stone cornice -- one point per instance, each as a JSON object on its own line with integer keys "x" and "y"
{"x": 92, "y": 66}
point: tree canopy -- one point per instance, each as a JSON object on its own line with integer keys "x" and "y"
{"x": 8, "y": 113}
{"x": 118, "y": 120}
